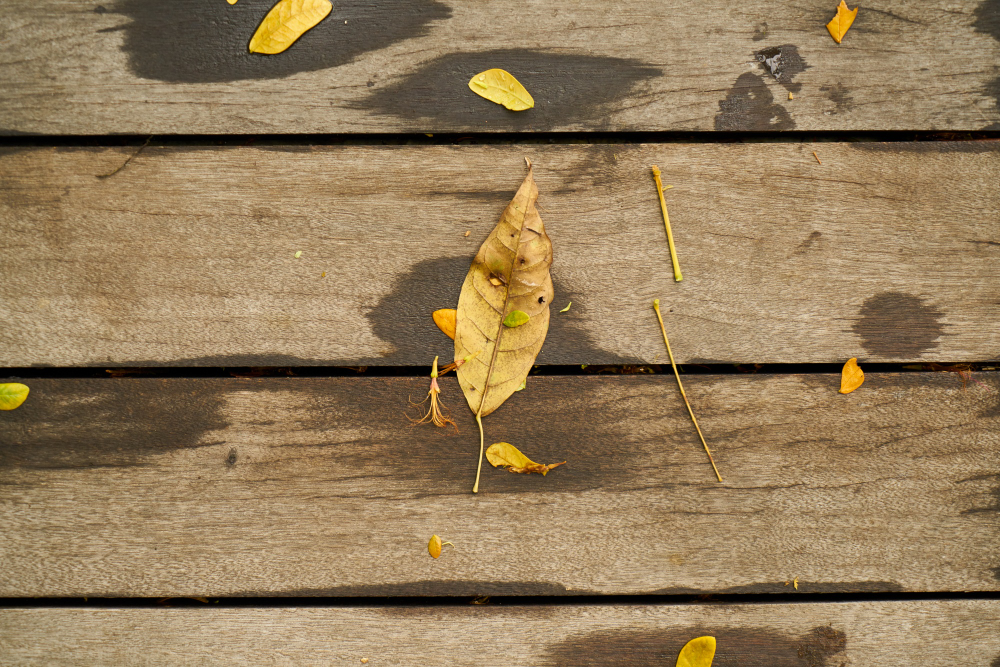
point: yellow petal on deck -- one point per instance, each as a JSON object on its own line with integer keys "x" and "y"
{"x": 501, "y": 87}
{"x": 286, "y": 22}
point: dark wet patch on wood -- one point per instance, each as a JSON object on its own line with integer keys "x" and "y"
{"x": 402, "y": 318}
{"x": 988, "y": 22}
{"x": 535, "y": 420}
{"x": 786, "y": 587}
{"x": 567, "y": 89}
{"x": 736, "y": 647}
{"x": 840, "y": 96}
{"x": 783, "y": 63}
{"x": 896, "y": 324}
{"x": 192, "y": 41}
{"x": 973, "y": 146}
{"x": 115, "y": 423}
{"x": 749, "y": 107}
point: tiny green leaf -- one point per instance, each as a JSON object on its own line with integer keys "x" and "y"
{"x": 567, "y": 307}
{"x": 12, "y": 394}
{"x": 523, "y": 384}
{"x": 515, "y": 318}
{"x": 298, "y": 253}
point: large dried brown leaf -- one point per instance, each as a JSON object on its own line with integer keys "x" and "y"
{"x": 509, "y": 273}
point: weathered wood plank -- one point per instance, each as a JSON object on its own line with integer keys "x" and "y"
{"x": 876, "y": 634}
{"x": 299, "y": 486}
{"x": 886, "y": 252}
{"x": 137, "y": 66}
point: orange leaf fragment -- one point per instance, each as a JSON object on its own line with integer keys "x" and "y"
{"x": 851, "y": 377}
{"x": 841, "y": 23}
{"x": 445, "y": 319}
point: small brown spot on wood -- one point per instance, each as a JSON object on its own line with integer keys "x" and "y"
{"x": 895, "y": 324}
{"x": 841, "y": 98}
{"x": 231, "y": 459}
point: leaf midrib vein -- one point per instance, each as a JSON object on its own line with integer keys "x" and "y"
{"x": 506, "y": 298}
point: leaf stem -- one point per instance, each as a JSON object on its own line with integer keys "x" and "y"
{"x": 656, "y": 307}
{"x": 475, "y": 488}
{"x": 666, "y": 223}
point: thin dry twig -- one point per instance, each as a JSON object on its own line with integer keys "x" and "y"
{"x": 656, "y": 307}
{"x": 817, "y": 157}
{"x": 666, "y": 223}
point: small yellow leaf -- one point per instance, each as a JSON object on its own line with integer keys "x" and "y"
{"x": 232, "y": 2}
{"x": 504, "y": 454}
{"x": 434, "y": 546}
{"x": 515, "y": 318}
{"x": 567, "y": 307}
{"x": 698, "y": 652}
{"x": 524, "y": 383}
{"x": 841, "y": 23}
{"x": 445, "y": 319}
{"x": 851, "y": 376}
{"x": 501, "y": 87}
{"x": 286, "y": 22}
{"x": 12, "y": 394}
{"x": 298, "y": 253}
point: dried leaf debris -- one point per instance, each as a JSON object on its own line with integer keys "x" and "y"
{"x": 699, "y": 652}
{"x": 506, "y": 455}
{"x": 445, "y": 321}
{"x": 851, "y": 376}
{"x": 517, "y": 254}
{"x": 286, "y": 22}
{"x": 500, "y": 86}
{"x": 841, "y": 23}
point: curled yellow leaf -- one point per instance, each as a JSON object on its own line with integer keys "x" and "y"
{"x": 12, "y": 394}
{"x": 851, "y": 376}
{"x": 841, "y": 23}
{"x": 286, "y": 22}
{"x": 501, "y": 87}
{"x": 698, "y": 652}
{"x": 504, "y": 454}
{"x": 445, "y": 320}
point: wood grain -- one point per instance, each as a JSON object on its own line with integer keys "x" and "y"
{"x": 308, "y": 486}
{"x": 885, "y": 252}
{"x": 136, "y": 66}
{"x": 860, "y": 634}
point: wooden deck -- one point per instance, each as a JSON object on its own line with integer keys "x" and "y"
{"x": 215, "y": 466}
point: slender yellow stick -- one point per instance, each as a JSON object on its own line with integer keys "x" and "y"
{"x": 475, "y": 488}
{"x": 656, "y": 307}
{"x": 666, "y": 223}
